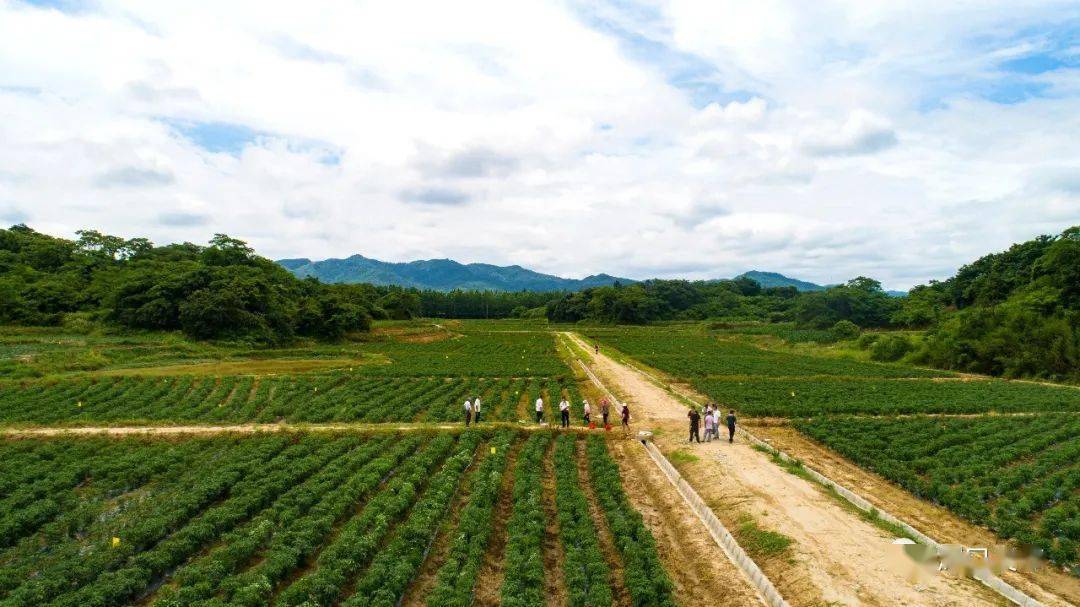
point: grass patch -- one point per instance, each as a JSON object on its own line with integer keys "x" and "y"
{"x": 760, "y": 542}
{"x": 680, "y": 456}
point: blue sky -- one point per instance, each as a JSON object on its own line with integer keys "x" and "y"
{"x": 656, "y": 138}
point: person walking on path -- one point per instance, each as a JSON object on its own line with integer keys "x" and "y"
{"x": 539, "y": 409}
{"x": 476, "y": 409}
{"x": 468, "y": 412}
{"x": 710, "y": 425}
{"x": 625, "y": 419}
{"x": 564, "y": 413}
{"x": 605, "y": 411}
{"x": 596, "y": 347}
{"x": 586, "y": 412}
{"x": 731, "y": 426}
{"x": 695, "y": 420}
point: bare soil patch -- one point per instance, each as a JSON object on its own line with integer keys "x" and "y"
{"x": 488, "y": 591}
{"x": 554, "y": 580}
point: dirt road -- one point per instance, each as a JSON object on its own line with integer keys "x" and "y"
{"x": 836, "y": 558}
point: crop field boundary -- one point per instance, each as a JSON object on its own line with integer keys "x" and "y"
{"x": 735, "y": 553}
{"x": 164, "y": 430}
{"x": 985, "y": 576}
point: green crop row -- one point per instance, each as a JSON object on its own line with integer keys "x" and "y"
{"x": 646, "y": 579}
{"x": 390, "y": 572}
{"x": 803, "y": 397}
{"x": 1020, "y": 476}
{"x": 523, "y": 584}
{"x": 303, "y": 519}
{"x": 690, "y": 353}
{"x": 586, "y": 571}
{"x": 331, "y": 397}
{"x": 457, "y": 576}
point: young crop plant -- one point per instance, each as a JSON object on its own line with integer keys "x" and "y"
{"x": 523, "y": 584}
{"x": 457, "y": 576}
{"x": 585, "y": 569}
{"x": 646, "y": 579}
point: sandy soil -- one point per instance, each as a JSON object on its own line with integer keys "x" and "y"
{"x": 846, "y": 560}
{"x": 702, "y": 574}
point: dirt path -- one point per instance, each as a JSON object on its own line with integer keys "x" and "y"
{"x": 847, "y": 560}
{"x": 554, "y": 577}
{"x": 489, "y": 581}
{"x": 933, "y": 520}
{"x": 619, "y": 594}
{"x": 701, "y": 572}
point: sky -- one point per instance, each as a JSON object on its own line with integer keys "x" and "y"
{"x": 823, "y": 140}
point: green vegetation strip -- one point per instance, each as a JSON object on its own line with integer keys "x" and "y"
{"x": 584, "y": 566}
{"x": 646, "y": 579}
{"x": 457, "y": 577}
{"x": 523, "y": 583}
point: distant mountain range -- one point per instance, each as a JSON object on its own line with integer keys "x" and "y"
{"x": 447, "y": 275}
{"x": 772, "y": 279}
{"x": 441, "y": 275}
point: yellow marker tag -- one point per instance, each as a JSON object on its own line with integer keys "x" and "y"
{"x": 793, "y": 393}
{"x": 493, "y": 450}
{"x": 80, "y": 403}
{"x": 115, "y": 542}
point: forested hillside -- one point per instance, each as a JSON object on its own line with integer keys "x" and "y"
{"x": 222, "y": 290}
{"x": 1014, "y": 313}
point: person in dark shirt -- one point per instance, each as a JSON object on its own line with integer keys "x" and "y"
{"x": 731, "y": 426}
{"x": 695, "y": 420}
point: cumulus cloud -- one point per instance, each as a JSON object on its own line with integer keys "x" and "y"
{"x": 183, "y": 219}
{"x": 673, "y": 138}
{"x": 435, "y": 195}
{"x": 861, "y": 133}
{"x": 132, "y": 176}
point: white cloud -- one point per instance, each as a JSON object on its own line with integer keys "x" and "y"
{"x": 677, "y": 138}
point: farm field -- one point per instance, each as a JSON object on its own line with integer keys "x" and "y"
{"x": 412, "y": 372}
{"x": 763, "y": 382}
{"x": 313, "y": 397}
{"x": 1019, "y": 476}
{"x": 316, "y": 520}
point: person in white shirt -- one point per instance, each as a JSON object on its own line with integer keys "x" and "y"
{"x": 564, "y": 412}
{"x": 539, "y": 410}
{"x": 586, "y": 411}
{"x": 468, "y": 412}
{"x": 476, "y": 409}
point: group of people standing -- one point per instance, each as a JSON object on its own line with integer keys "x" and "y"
{"x": 586, "y": 413}
{"x": 472, "y": 412}
{"x": 711, "y": 415}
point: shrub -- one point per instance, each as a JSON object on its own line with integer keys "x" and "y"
{"x": 845, "y": 329}
{"x": 890, "y": 348}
